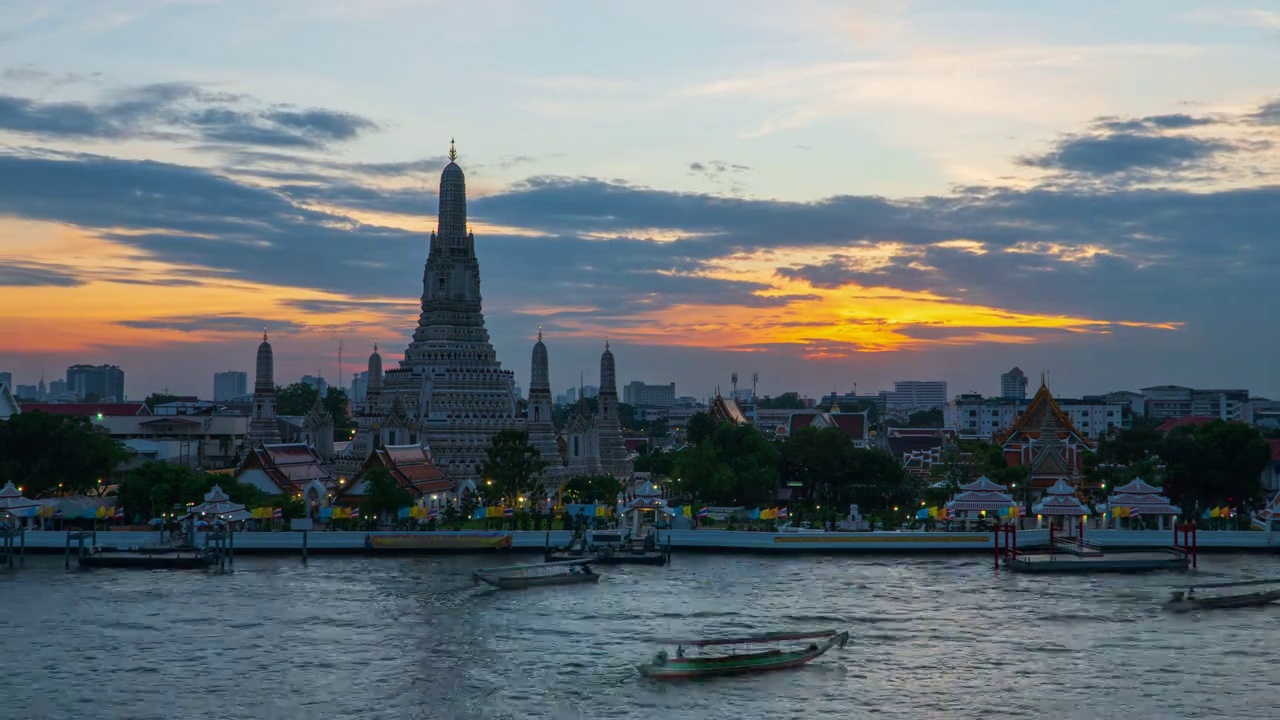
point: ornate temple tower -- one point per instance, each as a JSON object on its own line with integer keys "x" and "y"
{"x": 368, "y": 420}
{"x": 537, "y": 422}
{"x": 317, "y": 429}
{"x": 453, "y": 390}
{"x": 262, "y": 427}
{"x": 613, "y": 451}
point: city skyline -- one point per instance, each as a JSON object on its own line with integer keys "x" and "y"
{"x": 905, "y": 190}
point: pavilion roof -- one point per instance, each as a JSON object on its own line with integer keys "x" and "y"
{"x": 1061, "y": 488}
{"x": 1146, "y": 504}
{"x": 980, "y": 500}
{"x": 11, "y": 498}
{"x": 727, "y": 410}
{"x": 216, "y": 502}
{"x": 1060, "y": 505}
{"x": 1137, "y": 487}
{"x": 983, "y": 484}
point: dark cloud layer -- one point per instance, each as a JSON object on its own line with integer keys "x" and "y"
{"x": 181, "y": 111}
{"x": 33, "y": 274}
{"x": 1124, "y": 152}
{"x": 1110, "y": 252}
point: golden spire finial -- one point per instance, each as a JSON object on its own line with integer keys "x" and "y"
{"x": 375, "y": 346}
{"x": 539, "y": 333}
{"x": 1042, "y": 382}
{"x": 264, "y": 334}
{"x": 453, "y": 152}
{"x": 606, "y": 343}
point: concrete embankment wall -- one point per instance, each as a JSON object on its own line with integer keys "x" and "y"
{"x": 289, "y": 543}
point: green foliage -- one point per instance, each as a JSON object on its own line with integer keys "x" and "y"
{"x": 335, "y": 401}
{"x": 785, "y": 401}
{"x": 925, "y": 418}
{"x": 826, "y": 469}
{"x": 155, "y": 399}
{"x": 47, "y": 454}
{"x": 1217, "y": 464}
{"x": 290, "y": 506}
{"x": 592, "y": 488}
{"x": 158, "y": 487}
{"x": 296, "y": 399}
{"x": 658, "y": 462}
{"x": 731, "y": 464}
{"x": 384, "y": 494}
{"x": 1125, "y": 455}
{"x": 701, "y": 425}
{"x": 514, "y": 466}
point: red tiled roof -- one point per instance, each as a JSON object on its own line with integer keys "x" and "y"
{"x": 87, "y": 409}
{"x": 853, "y": 424}
{"x": 801, "y": 420}
{"x": 412, "y": 467}
{"x": 1196, "y": 420}
{"x": 290, "y": 466}
{"x": 635, "y": 443}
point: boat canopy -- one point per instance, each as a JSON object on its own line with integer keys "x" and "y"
{"x": 761, "y": 638}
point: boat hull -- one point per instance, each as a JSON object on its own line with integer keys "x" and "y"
{"x": 645, "y": 558}
{"x": 519, "y": 583}
{"x": 125, "y": 561}
{"x": 1076, "y": 564}
{"x": 1225, "y": 602}
{"x": 729, "y": 665}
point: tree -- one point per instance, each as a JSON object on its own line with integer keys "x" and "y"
{"x": 514, "y": 466}
{"x": 656, "y": 462}
{"x": 155, "y": 399}
{"x": 785, "y": 401}
{"x": 925, "y": 418}
{"x": 384, "y": 494}
{"x": 296, "y": 399}
{"x": 47, "y": 454}
{"x": 592, "y": 489}
{"x": 730, "y": 465}
{"x": 157, "y": 487}
{"x": 335, "y": 401}
{"x": 1217, "y": 464}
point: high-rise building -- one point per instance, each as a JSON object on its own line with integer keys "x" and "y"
{"x": 1164, "y": 402}
{"x": 359, "y": 388}
{"x": 105, "y": 382}
{"x": 317, "y": 382}
{"x": 1013, "y": 384}
{"x": 644, "y": 395}
{"x": 230, "y": 384}
{"x": 917, "y": 395}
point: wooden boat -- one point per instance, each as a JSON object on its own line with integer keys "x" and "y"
{"x": 514, "y": 577}
{"x": 159, "y": 558}
{"x": 681, "y": 667}
{"x": 1186, "y": 601}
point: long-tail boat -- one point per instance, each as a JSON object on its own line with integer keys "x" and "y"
{"x": 1188, "y": 600}
{"x": 513, "y": 577}
{"x": 682, "y": 667}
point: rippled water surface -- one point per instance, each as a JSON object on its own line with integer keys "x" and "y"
{"x": 413, "y": 638}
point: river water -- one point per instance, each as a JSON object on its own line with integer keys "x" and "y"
{"x": 413, "y": 638}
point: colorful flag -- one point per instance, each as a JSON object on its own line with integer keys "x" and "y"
{"x": 508, "y": 512}
{"x": 704, "y": 511}
{"x": 433, "y": 513}
{"x": 933, "y": 512}
{"x": 479, "y": 514}
{"x": 782, "y": 513}
{"x": 120, "y": 513}
{"x": 687, "y": 511}
{"x": 1134, "y": 512}
{"x": 355, "y": 514}
{"x": 755, "y": 514}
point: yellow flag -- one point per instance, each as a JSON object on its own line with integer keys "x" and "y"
{"x": 687, "y": 511}
{"x": 933, "y": 512}
{"x": 599, "y": 511}
{"x": 1213, "y": 513}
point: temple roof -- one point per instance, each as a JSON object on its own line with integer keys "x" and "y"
{"x": 983, "y": 484}
{"x": 318, "y": 416}
{"x": 411, "y": 466}
{"x": 87, "y": 409}
{"x": 727, "y": 410}
{"x": 1032, "y": 420}
{"x": 290, "y": 466}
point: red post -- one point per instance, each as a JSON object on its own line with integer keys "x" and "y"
{"x": 1195, "y": 546}
{"x": 995, "y": 542}
{"x": 1082, "y": 531}
{"x": 1051, "y": 533}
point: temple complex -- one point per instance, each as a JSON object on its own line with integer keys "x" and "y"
{"x": 450, "y": 393}
{"x": 262, "y": 427}
{"x": 589, "y": 444}
{"x": 1045, "y": 441}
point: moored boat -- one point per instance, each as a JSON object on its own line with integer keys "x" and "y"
{"x": 1188, "y": 600}
{"x": 683, "y": 667}
{"x": 514, "y": 577}
{"x": 147, "y": 559}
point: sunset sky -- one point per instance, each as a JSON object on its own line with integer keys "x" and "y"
{"x": 826, "y": 193}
